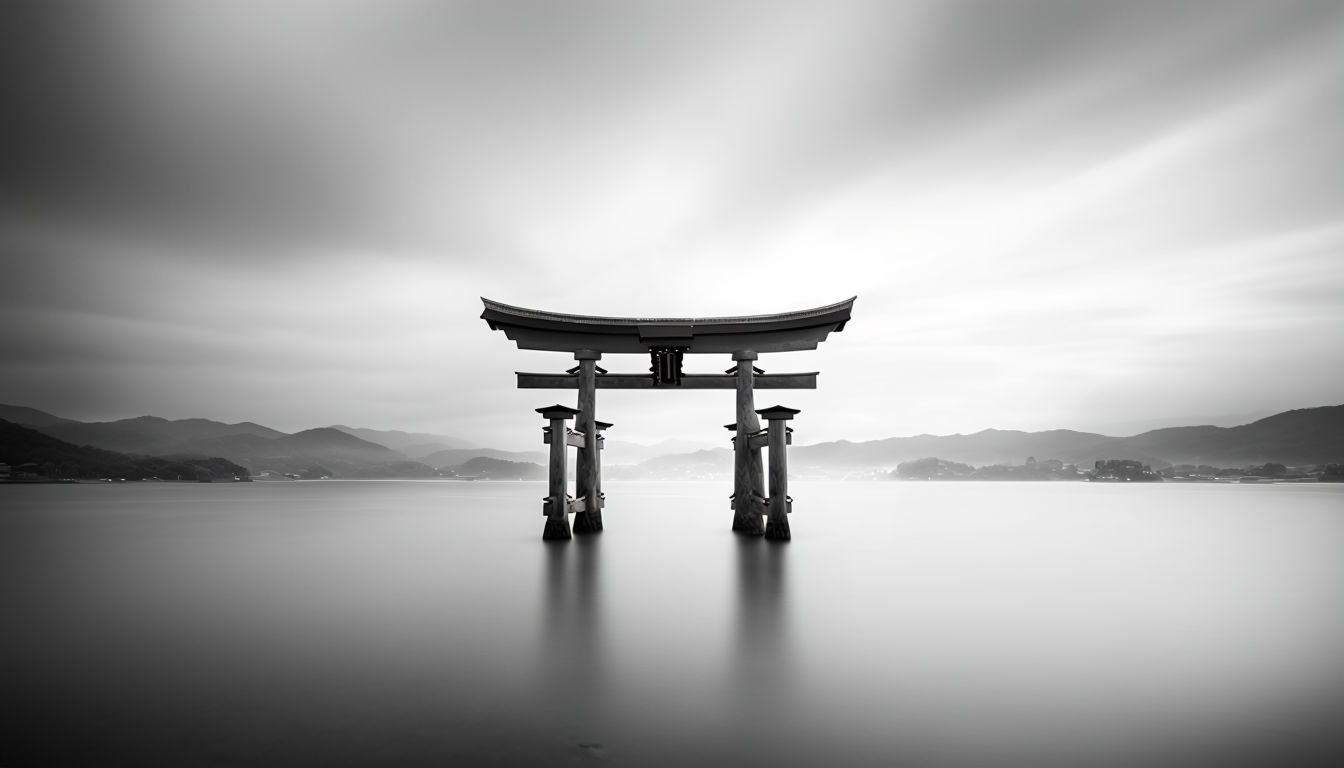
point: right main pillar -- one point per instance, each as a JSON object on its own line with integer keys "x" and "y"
{"x": 588, "y": 463}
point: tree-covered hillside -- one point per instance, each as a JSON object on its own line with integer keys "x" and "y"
{"x": 33, "y": 455}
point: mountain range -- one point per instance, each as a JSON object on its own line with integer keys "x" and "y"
{"x": 325, "y": 451}
{"x": 32, "y": 454}
{"x": 1304, "y": 436}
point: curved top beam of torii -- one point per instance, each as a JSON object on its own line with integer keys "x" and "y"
{"x": 558, "y": 332}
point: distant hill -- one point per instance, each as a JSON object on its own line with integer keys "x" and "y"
{"x": 233, "y": 445}
{"x": 991, "y": 446}
{"x": 152, "y": 435}
{"x": 484, "y": 467}
{"x": 1304, "y": 436}
{"x": 335, "y": 443}
{"x": 28, "y": 417}
{"x": 707, "y": 464}
{"x": 416, "y": 445}
{"x": 53, "y": 459}
{"x": 320, "y": 452}
{"x": 453, "y": 457}
{"x": 624, "y": 452}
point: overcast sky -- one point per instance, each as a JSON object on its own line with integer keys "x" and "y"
{"x": 1104, "y": 216}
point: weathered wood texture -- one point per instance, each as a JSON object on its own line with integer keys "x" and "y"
{"x": 587, "y": 465}
{"x": 688, "y": 381}
{"x": 556, "y": 507}
{"x": 746, "y": 457}
{"x": 572, "y": 439}
{"x": 777, "y": 523}
{"x": 601, "y": 445}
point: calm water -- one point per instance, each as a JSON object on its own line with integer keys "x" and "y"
{"x": 425, "y": 623}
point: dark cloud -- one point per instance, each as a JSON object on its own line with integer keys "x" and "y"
{"x": 132, "y": 118}
{"x": 427, "y": 124}
{"x": 379, "y": 124}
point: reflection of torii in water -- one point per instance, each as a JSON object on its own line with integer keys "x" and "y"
{"x": 666, "y": 340}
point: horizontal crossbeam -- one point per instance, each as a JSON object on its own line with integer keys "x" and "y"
{"x": 688, "y": 381}
{"x": 573, "y": 438}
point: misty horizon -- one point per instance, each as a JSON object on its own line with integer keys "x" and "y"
{"x": 691, "y": 443}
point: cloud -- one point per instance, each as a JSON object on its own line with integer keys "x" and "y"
{"x": 293, "y": 208}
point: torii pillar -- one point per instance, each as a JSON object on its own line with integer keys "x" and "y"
{"x": 748, "y": 480}
{"x": 777, "y": 526}
{"x": 556, "y": 505}
{"x": 587, "y": 467}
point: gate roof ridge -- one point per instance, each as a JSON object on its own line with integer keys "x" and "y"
{"x": 563, "y": 332}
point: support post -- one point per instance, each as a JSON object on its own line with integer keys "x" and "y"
{"x": 588, "y": 463}
{"x": 556, "y": 504}
{"x": 601, "y": 444}
{"x": 777, "y": 524}
{"x": 747, "y": 479}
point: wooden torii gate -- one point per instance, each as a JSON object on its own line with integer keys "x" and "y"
{"x": 667, "y": 341}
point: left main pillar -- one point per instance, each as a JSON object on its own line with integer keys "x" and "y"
{"x": 556, "y": 504}
{"x": 748, "y": 487}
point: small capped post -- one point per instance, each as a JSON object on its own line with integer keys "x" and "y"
{"x": 556, "y": 504}
{"x": 599, "y": 427}
{"x": 779, "y": 504}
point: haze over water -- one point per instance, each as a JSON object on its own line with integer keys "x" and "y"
{"x": 426, "y": 623}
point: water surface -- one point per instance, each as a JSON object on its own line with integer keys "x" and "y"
{"x": 426, "y": 623}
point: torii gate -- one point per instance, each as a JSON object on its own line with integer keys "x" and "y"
{"x": 666, "y": 341}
